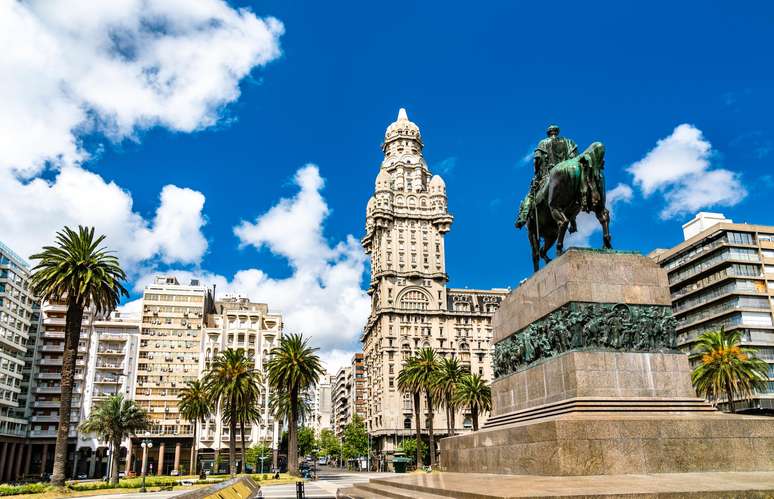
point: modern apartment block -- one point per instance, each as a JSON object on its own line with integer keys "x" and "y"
{"x": 169, "y": 356}
{"x": 113, "y": 347}
{"x": 348, "y": 394}
{"x": 407, "y": 218}
{"x": 722, "y": 275}
{"x": 18, "y": 316}
{"x": 236, "y": 322}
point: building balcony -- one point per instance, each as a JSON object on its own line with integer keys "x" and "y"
{"x": 54, "y": 321}
{"x": 46, "y": 404}
{"x": 107, "y": 381}
{"x": 48, "y": 389}
{"x": 52, "y": 418}
{"x": 48, "y": 375}
{"x": 109, "y": 366}
{"x": 53, "y": 334}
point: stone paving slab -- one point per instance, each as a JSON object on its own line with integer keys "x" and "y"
{"x": 661, "y": 486}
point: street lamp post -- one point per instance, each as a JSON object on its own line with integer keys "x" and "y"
{"x": 146, "y": 444}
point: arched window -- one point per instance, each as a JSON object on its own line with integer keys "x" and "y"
{"x": 467, "y": 423}
{"x": 414, "y": 300}
{"x": 407, "y": 423}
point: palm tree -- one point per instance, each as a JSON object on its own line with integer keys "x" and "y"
{"x": 195, "y": 406}
{"x": 725, "y": 368}
{"x": 279, "y": 405}
{"x": 232, "y": 382}
{"x": 448, "y": 375}
{"x": 80, "y": 272}
{"x": 114, "y": 419}
{"x": 247, "y": 412}
{"x": 407, "y": 383}
{"x": 473, "y": 392}
{"x": 294, "y": 366}
{"x": 421, "y": 373}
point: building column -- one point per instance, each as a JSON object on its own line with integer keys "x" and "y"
{"x": 43, "y": 459}
{"x": 93, "y": 463}
{"x": 3, "y": 456}
{"x": 28, "y": 459}
{"x": 18, "y": 465}
{"x": 8, "y": 471}
{"x": 128, "y": 466}
{"x": 177, "y": 455}
{"x": 160, "y": 466}
{"x": 75, "y": 462}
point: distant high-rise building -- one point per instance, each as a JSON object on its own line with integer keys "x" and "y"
{"x": 722, "y": 275}
{"x": 411, "y": 307}
{"x": 18, "y": 319}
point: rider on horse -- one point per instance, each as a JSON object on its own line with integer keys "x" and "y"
{"x": 549, "y": 152}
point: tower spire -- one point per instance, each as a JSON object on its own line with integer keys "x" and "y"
{"x": 402, "y": 115}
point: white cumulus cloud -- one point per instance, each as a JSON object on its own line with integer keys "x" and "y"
{"x": 322, "y": 298}
{"x": 679, "y": 167}
{"x": 76, "y": 68}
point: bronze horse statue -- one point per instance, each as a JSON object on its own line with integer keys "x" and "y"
{"x": 574, "y": 185}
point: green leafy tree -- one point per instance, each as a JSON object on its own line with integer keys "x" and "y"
{"x": 114, "y": 419}
{"x": 726, "y": 369}
{"x": 81, "y": 273}
{"x": 409, "y": 447}
{"x": 279, "y": 405}
{"x": 294, "y": 367}
{"x": 306, "y": 441}
{"x": 330, "y": 445}
{"x": 195, "y": 406}
{"x": 254, "y": 455}
{"x": 231, "y": 382}
{"x": 447, "y": 376}
{"x": 354, "y": 442}
{"x": 420, "y": 373}
{"x": 473, "y": 392}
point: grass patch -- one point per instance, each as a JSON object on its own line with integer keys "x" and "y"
{"x": 30, "y": 488}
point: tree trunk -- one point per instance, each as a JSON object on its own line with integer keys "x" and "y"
{"x": 474, "y": 415}
{"x": 293, "y": 434}
{"x": 730, "y": 397}
{"x": 115, "y": 459}
{"x": 242, "y": 434}
{"x": 69, "y": 356}
{"x": 450, "y": 415}
{"x": 192, "y": 466}
{"x": 418, "y": 415}
{"x": 430, "y": 428}
{"x": 232, "y": 438}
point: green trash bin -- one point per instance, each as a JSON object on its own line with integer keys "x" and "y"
{"x": 400, "y": 463}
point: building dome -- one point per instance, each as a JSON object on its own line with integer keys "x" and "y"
{"x": 437, "y": 185}
{"x": 371, "y": 205}
{"x": 383, "y": 180}
{"x": 402, "y": 128}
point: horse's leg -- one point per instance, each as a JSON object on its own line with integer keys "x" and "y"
{"x": 548, "y": 241}
{"x": 562, "y": 222}
{"x": 534, "y": 243}
{"x": 603, "y": 215}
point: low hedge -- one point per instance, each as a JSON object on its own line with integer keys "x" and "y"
{"x": 30, "y": 488}
{"x": 132, "y": 483}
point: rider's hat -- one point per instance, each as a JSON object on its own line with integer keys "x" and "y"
{"x": 552, "y": 128}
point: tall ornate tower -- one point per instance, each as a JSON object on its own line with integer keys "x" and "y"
{"x": 411, "y": 307}
{"x": 406, "y": 220}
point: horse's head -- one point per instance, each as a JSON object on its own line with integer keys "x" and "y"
{"x": 594, "y": 156}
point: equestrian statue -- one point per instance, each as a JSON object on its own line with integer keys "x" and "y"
{"x": 564, "y": 183}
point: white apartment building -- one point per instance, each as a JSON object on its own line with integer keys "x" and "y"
{"x": 236, "y": 322}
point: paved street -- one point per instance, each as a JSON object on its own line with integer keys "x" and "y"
{"x": 325, "y": 487}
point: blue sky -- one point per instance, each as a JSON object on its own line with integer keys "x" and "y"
{"x": 482, "y": 81}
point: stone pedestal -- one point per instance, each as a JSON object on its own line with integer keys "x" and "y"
{"x": 591, "y": 396}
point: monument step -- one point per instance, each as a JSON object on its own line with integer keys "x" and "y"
{"x": 373, "y": 490}
{"x": 715, "y": 485}
{"x": 628, "y": 405}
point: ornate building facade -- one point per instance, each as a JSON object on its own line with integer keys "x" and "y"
{"x": 411, "y": 307}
